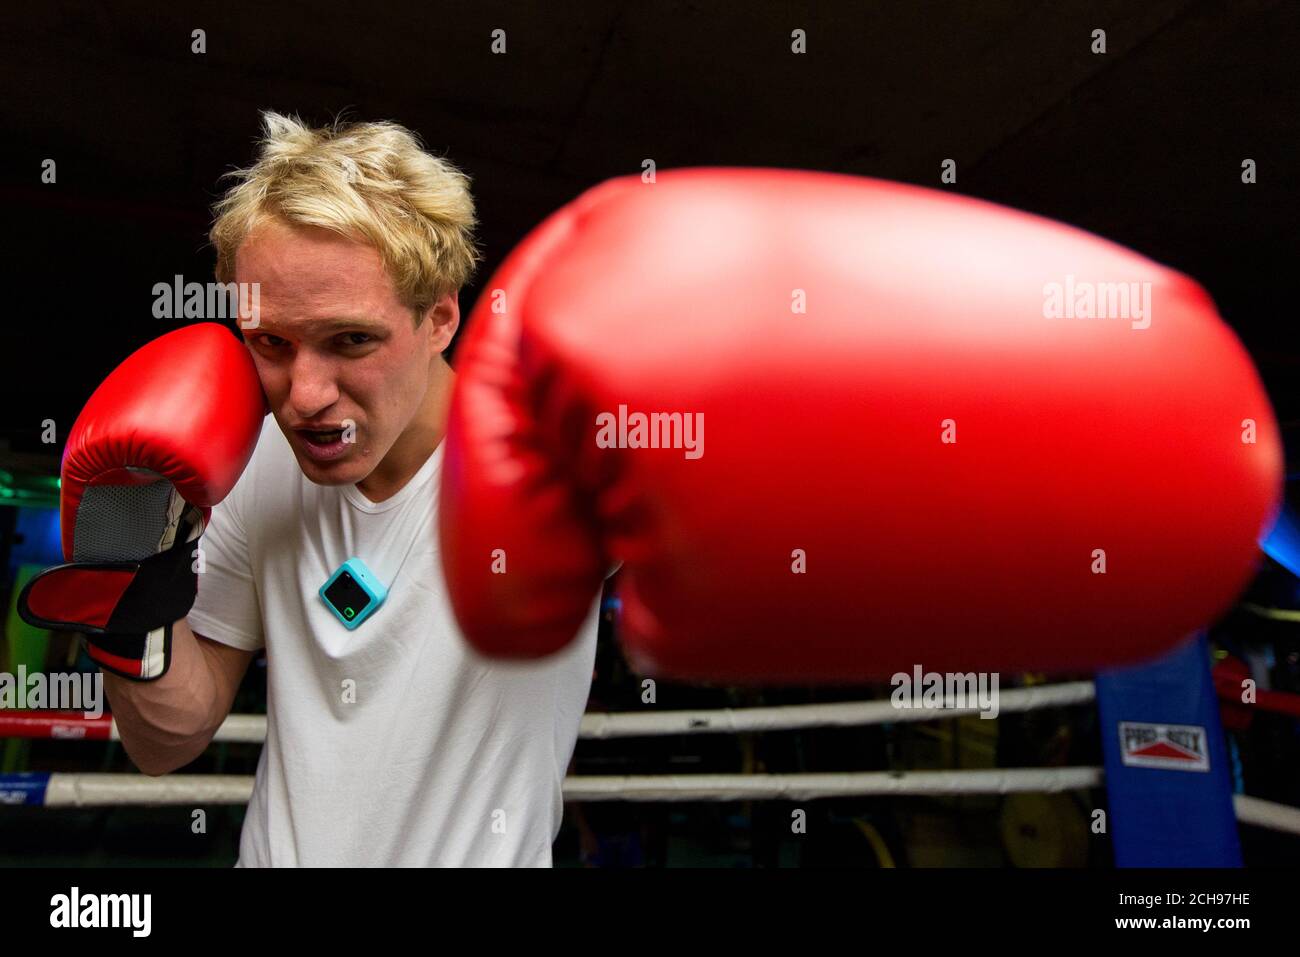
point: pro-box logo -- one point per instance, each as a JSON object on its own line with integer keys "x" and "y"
{"x": 1181, "y": 747}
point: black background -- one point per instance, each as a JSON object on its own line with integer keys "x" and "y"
{"x": 1143, "y": 144}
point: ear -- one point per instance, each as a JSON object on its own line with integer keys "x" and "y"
{"x": 444, "y": 319}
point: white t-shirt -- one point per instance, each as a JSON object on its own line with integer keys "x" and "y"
{"x": 395, "y": 744}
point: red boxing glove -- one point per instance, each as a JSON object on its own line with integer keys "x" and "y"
{"x": 162, "y": 440}
{"x": 922, "y": 447}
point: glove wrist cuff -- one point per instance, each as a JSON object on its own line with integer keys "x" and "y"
{"x": 124, "y": 609}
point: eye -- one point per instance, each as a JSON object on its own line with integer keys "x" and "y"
{"x": 355, "y": 339}
{"x": 261, "y": 340}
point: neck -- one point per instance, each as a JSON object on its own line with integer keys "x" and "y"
{"x": 419, "y": 440}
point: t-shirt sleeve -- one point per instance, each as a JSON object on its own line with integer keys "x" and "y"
{"x": 227, "y": 608}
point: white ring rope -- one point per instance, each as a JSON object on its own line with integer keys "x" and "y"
{"x": 105, "y": 790}
{"x": 100, "y": 790}
{"x": 1261, "y": 813}
{"x": 839, "y": 714}
{"x": 251, "y": 728}
{"x": 807, "y": 787}
{"x": 238, "y": 728}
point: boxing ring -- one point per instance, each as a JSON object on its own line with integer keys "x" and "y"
{"x": 105, "y": 789}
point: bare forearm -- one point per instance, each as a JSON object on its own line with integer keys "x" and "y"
{"x": 167, "y": 723}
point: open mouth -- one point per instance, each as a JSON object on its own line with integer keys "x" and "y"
{"x": 323, "y": 444}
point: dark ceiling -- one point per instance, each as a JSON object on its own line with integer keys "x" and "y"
{"x": 1142, "y": 144}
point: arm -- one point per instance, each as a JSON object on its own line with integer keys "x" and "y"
{"x": 166, "y": 724}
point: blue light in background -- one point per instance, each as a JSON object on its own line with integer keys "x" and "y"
{"x": 1282, "y": 544}
{"x": 37, "y": 539}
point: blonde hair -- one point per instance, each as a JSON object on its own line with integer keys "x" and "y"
{"x": 370, "y": 182}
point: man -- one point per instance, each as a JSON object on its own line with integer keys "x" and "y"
{"x": 835, "y": 529}
{"x": 391, "y": 743}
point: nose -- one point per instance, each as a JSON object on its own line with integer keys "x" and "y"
{"x": 312, "y": 384}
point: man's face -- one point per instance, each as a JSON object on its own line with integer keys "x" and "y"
{"x": 334, "y": 348}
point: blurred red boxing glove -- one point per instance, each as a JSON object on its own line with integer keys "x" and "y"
{"x": 162, "y": 440}
{"x": 914, "y": 429}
